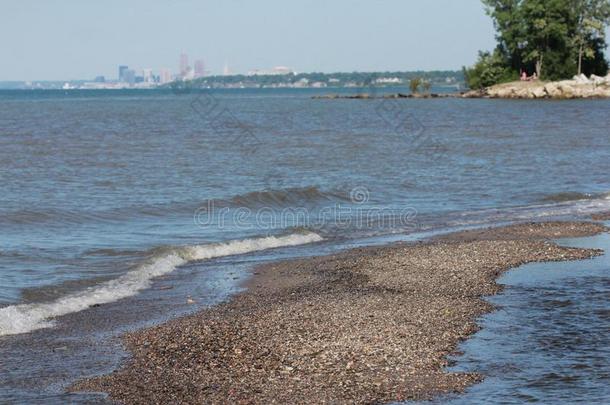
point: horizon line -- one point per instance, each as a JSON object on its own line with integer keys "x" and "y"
{"x": 246, "y": 74}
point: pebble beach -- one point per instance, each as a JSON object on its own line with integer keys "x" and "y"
{"x": 370, "y": 325}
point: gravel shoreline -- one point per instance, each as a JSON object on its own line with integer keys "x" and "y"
{"x": 371, "y": 325}
{"x": 603, "y": 216}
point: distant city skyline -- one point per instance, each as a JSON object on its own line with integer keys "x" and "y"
{"x": 84, "y": 40}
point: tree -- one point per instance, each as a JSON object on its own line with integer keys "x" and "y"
{"x": 509, "y": 25}
{"x": 547, "y": 29}
{"x": 553, "y": 38}
{"x": 414, "y": 84}
{"x": 490, "y": 69}
{"x": 591, "y": 17}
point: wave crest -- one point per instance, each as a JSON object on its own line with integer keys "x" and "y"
{"x": 23, "y": 318}
{"x": 287, "y": 197}
{"x": 284, "y": 197}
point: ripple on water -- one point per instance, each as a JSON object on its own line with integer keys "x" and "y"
{"x": 550, "y": 339}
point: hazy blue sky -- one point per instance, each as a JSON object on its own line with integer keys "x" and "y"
{"x": 79, "y": 39}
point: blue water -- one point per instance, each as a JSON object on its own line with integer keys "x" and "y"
{"x": 549, "y": 341}
{"x": 108, "y": 194}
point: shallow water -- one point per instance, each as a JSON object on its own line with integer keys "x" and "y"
{"x": 549, "y": 340}
{"x": 108, "y": 195}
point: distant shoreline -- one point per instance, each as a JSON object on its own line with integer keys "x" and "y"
{"x": 580, "y": 87}
{"x": 311, "y": 80}
{"x": 346, "y": 89}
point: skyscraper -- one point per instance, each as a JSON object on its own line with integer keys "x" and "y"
{"x": 184, "y": 64}
{"x": 165, "y": 76}
{"x": 122, "y": 70}
{"x": 129, "y": 76}
{"x": 148, "y": 76}
{"x": 199, "y": 69}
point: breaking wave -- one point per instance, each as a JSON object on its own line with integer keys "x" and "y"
{"x": 24, "y": 318}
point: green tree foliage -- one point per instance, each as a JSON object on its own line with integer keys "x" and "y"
{"x": 508, "y": 22}
{"x": 554, "y": 38}
{"x": 414, "y": 84}
{"x": 589, "y": 38}
{"x": 338, "y": 79}
{"x": 546, "y": 31}
{"x": 491, "y": 68}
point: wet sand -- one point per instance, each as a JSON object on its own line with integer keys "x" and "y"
{"x": 602, "y": 216}
{"x": 369, "y": 325}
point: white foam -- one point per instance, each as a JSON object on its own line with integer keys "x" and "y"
{"x": 24, "y": 318}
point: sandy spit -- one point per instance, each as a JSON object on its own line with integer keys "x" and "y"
{"x": 370, "y": 325}
{"x": 602, "y": 216}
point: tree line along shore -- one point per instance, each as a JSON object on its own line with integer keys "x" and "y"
{"x": 541, "y": 39}
{"x": 577, "y": 87}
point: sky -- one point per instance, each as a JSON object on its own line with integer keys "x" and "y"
{"x": 81, "y": 39}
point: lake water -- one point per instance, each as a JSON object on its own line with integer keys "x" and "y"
{"x": 117, "y": 206}
{"x": 549, "y": 341}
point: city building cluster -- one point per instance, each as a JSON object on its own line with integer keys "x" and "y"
{"x": 276, "y": 77}
{"x": 146, "y": 78}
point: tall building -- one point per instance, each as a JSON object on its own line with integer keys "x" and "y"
{"x": 184, "y": 64}
{"x": 199, "y": 69}
{"x": 129, "y": 76}
{"x": 147, "y": 75}
{"x": 165, "y": 76}
{"x": 122, "y": 70}
{"x": 226, "y": 71}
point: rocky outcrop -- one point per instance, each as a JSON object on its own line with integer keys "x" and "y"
{"x": 579, "y": 87}
{"x": 366, "y": 96}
